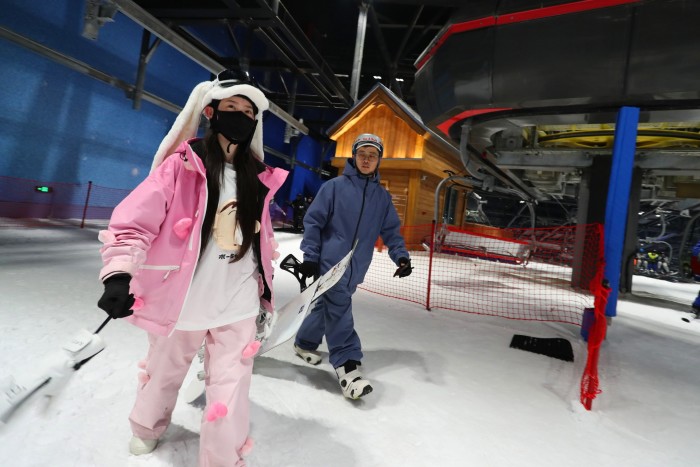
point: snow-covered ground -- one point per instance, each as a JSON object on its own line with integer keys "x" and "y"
{"x": 448, "y": 389}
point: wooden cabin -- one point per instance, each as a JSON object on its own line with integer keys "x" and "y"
{"x": 415, "y": 158}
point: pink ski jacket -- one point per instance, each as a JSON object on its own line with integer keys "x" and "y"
{"x": 155, "y": 234}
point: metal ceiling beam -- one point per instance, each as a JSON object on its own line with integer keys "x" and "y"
{"x": 148, "y": 21}
{"x": 669, "y": 162}
{"x": 271, "y": 39}
{"x": 85, "y": 69}
{"x": 147, "y": 51}
{"x": 553, "y": 161}
{"x": 295, "y": 36}
{"x": 378, "y": 35}
{"x": 233, "y": 12}
{"x": 359, "y": 50}
{"x": 432, "y": 24}
{"x": 389, "y": 72}
{"x": 407, "y": 35}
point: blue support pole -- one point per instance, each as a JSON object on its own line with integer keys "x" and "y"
{"x": 618, "y": 199}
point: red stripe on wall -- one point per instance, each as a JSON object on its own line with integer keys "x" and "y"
{"x": 445, "y": 126}
{"x": 518, "y": 17}
{"x": 557, "y": 10}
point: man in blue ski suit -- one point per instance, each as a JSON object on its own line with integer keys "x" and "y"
{"x": 349, "y": 208}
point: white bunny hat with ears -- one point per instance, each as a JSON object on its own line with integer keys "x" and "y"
{"x": 187, "y": 122}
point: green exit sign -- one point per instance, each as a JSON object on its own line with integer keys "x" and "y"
{"x": 43, "y": 189}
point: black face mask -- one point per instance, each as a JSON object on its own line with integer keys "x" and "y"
{"x": 235, "y": 126}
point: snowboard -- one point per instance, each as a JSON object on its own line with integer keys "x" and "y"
{"x": 14, "y": 393}
{"x": 285, "y": 323}
{"x": 50, "y": 381}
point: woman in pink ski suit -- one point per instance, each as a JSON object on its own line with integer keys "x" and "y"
{"x": 188, "y": 257}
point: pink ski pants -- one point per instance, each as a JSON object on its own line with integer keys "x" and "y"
{"x": 227, "y": 382}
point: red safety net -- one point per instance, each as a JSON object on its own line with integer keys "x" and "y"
{"x": 527, "y": 274}
{"x": 589, "y": 381}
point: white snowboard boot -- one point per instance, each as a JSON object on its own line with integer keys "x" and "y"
{"x": 312, "y": 357}
{"x": 353, "y": 384}
{"x": 138, "y": 446}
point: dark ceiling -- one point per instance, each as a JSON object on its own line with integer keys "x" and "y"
{"x": 303, "y": 53}
{"x": 309, "y": 45}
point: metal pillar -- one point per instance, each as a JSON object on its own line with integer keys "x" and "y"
{"x": 630, "y": 247}
{"x": 590, "y": 210}
{"x": 147, "y": 51}
{"x": 141, "y": 17}
{"x": 359, "y": 49}
{"x": 618, "y": 199}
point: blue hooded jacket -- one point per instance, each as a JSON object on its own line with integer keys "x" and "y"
{"x": 346, "y": 208}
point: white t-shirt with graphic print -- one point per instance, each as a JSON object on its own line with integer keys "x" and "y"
{"x": 222, "y": 292}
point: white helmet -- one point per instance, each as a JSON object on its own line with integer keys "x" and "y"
{"x": 368, "y": 139}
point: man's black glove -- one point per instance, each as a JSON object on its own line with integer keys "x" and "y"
{"x": 116, "y": 299}
{"x": 404, "y": 269}
{"x": 310, "y": 269}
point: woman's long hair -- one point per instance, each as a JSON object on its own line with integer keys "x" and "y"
{"x": 246, "y": 190}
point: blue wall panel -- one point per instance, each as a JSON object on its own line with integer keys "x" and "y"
{"x": 58, "y": 125}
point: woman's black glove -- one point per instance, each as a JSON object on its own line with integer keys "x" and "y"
{"x": 405, "y": 268}
{"x": 116, "y": 299}
{"x": 310, "y": 269}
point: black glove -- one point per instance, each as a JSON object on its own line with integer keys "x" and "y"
{"x": 404, "y": 269}
{"x": 310, "y": 269}
{"x": 116, "y": 299}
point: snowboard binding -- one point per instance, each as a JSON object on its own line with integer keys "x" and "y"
{"x": 291, "y": 264}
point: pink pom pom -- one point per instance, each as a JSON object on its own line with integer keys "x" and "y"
{"x": 182, "y": 228}
{"x": 142, "y": 364}
{"x": 216, "y": 410}
{"x": 247, "y": 446}
{"x": 105, "y": 236}
{"x": 275, "y": 254}
{"x": 251, "y": 349}
{"x": 144, "y": 377}
{"x": 274, "y": 243}
{"x": 138, "y": 304}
